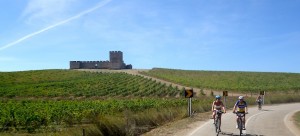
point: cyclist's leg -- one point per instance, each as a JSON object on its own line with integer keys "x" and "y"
{"x": 260, "y": 103}
{"x": 237, "y": 121}
{"x": 214, "y": 116}
{"x": 244, "y": 121}
{"x": 220, "y": 121}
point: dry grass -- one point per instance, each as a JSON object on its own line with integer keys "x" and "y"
{"x": 180, "y": 127}
{"x": 297, "y": 119}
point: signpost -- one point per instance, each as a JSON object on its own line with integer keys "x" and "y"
{"x": 225, "y": 93}
{"x": 188, "y": 93}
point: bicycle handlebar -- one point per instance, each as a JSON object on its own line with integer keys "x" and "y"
{"x": 219, "y": 111}
{"x": 240, "y": 112}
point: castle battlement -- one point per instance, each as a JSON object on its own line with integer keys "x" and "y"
{"x": 104, "y": 61}
{"x": 116, "y": 62}
{"x": 115, "y": 52}
{"x": 88, "y": 61}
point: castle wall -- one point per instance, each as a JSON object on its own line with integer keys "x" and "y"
{"x": 116, "y": 62}
{"x": 75, "y": 64}
{"x": 128, "y": 66}
{"x": 117, "y": 65}
{"x": 104, "y": 65}
{"x": 90, "y": 64}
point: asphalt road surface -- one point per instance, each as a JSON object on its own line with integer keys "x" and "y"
{"x": 274, "y": 120}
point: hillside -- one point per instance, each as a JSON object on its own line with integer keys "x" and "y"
{"x": 54, "y": 100}
{"x": 66, "y": 83}
{"x": 230, "y": 80}
{"x": 115, "y": 102}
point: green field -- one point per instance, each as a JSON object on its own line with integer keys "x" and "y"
{"x": 65, "y": 83}
{"x": 230, "y": 80}
{"x": 63, "y": 102}
{"x": 50, "y": 100}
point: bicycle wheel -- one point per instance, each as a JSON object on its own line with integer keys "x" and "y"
{"x": 240, "y": 125}
{"x": 219, "y": 125}
{"x": 259, "y": 106}
{"x": 216, "y": 125}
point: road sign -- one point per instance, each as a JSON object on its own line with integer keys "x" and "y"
{"x": 262, "y": 92}
{"x": 225, "y": 93}
{"x": 188, "y": 93}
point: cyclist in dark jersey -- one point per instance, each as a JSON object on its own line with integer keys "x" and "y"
{"x": 217, "y": 105}
{"x": 259, "y": 99}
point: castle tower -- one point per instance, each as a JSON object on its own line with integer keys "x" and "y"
{"x": 116, "y": 56}
{"x": 116, "y": 60}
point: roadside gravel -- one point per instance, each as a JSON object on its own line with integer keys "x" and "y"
{"x": 181, "y": 127}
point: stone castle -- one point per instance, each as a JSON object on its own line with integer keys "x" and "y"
{"x": 115, "y": 62}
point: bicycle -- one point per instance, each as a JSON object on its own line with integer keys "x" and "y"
{"x": 259, "y": 104}
{"x": 218, "y": 121}
{"x": 241, "y": 119}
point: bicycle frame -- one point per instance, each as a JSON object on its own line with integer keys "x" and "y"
{"x": 259, "y": 103}
{"x": 241, "y": 117}
{"x": 218, "y": 121}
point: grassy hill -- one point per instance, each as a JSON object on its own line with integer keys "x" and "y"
{"x": 52, "y": 100}
{"x": 64, "y": 102}
{"x": 230, "y": 80}
{"x": 66, "y": 83}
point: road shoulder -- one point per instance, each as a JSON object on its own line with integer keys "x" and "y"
{"x": 290, "y": 123}
{"x": 180, "y": 127}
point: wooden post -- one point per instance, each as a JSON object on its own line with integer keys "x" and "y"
{"x": 83, "y": 132}
{"x": 225, "y": 102}
{"x": 190, "y": 107}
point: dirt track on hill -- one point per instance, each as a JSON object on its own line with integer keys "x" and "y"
{"x": 136, "y": 72}
{"x": 197, "y": 91}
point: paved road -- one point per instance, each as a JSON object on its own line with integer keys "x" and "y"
{"x": 270, "y": 121}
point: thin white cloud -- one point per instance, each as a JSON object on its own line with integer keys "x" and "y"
{"x": 46, "y": 10}
{"x": 99, "y": 5}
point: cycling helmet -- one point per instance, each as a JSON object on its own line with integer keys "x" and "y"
{"x": 241, "y": 97}
{"x": 218, "y": 97}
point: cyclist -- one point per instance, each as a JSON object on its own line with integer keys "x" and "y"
{"x": 217, "y": 105}
{"x": 241, "y": 107}
{"x": 259, "y": 100}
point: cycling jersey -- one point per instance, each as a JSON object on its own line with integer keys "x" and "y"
{"x": 218, "y": 105}
{"x": 259, "y": 100}
{"x": 241, "y": 106}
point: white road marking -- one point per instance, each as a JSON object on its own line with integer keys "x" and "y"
{"x": 211, "y": 122}
{"x": 200, "y": 127}
{"x": 247, "y": 120}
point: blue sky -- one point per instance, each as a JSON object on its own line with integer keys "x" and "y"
{"x": 223, "y": 35}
